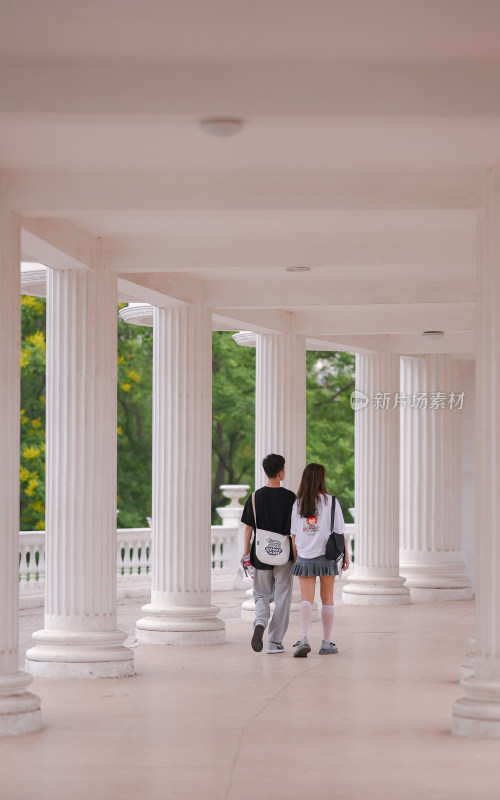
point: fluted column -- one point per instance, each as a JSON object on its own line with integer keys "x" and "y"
{"x": 280, "y": 404}
{"x": 477, "y": 714}
{"x": 430, "y": 488}
{"x": 376, "y": 578}
{"x": 19, "y": 709}
{"x": 180, "y": 611}
{"x": 80, "y": 638}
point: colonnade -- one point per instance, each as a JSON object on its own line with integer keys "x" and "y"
{"x": 80, "y": 638}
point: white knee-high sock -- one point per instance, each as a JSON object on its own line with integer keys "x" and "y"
{"x": 327, "y": 620}
{"x": 305, "y": 614}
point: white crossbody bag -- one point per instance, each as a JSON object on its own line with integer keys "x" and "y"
{"x": 270, "y": 548}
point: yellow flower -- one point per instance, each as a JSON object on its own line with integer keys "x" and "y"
{"x": 38, "y": 339}
{"x": 25, "y": 358}
{"x": 32, "y": 484}
{"x": 31, "y": 452}
{"x": 24, "y": 474}
{"x": 37, "y": 506}
{"x": 121, "y": 360}
{"x": 36, "y": 423}
{"x": 40, "y": 525}
{"x": 126, "y": 387}
{"x": 119, "y": 430}
{"x": 134, "y": 375}
{"x": 42, "y": 399}
{"x": 28, "y": 301}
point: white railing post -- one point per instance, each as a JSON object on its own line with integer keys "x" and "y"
{"x": 227, "y": 538}
{"x": 31, "y": 574}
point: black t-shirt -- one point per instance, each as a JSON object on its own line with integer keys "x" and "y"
{"x": 273, "y": 506}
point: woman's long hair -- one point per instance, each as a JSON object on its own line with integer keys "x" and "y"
{"x": 312, "y": 486}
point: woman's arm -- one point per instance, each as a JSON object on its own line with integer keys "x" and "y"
{"x": 294, "y": 548}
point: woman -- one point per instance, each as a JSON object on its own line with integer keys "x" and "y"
{"x": 310, "y": 529}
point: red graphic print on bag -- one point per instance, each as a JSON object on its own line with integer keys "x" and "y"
{"x": 311, "y": 526}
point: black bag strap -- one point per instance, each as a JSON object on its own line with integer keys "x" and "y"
{"x": 254, "y": 512}
{"x": 332, "y": 517}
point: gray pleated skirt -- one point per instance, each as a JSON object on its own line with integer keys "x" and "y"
{"x": 311, "y": 567}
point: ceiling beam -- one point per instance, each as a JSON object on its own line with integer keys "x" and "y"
{"x": 64, "y": 193}
{"x": 345, "y": 88}
{"x": 57, "y": 243}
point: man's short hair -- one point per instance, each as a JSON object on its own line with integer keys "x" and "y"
{"x": 273, "y": 464}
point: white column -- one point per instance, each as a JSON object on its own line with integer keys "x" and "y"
{"x": 280, "y": 419}
{"x": 80, "y": 638}
{"x": 477, "y": 714}
{"x": 180, "y": 611}
{"x": 376, "y": 578}
{"x": 280, "y": 404}
{"x": 19, "y": 709}
{"x": 430, "y": 487}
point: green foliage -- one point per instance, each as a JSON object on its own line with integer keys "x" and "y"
{"x": 330, "y": 421}
{"x": 32, "y": 472}
{"x": 233, "y": 415}
{"x": 135, "y": 375}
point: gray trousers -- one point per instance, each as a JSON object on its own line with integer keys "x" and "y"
{"x": 268, "y": 585}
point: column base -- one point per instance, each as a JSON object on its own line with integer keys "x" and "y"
{"x": 469, "y": 662}
{"x": 477, "y": 715}
{"x": 375, "y": 591}
{"x": 181, "y": 625}
{"x": 19, "y": 710}
{"x": 424, "y": 595}
{"x": 72, "y": 654}
{"x": 439, "y": 581}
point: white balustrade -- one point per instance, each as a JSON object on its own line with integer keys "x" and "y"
{"x": 133, "y": 562}
{"x": 31, "y": 569}
{"x": 134, "y": 555}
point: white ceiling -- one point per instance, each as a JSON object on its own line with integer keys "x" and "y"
{"x": 368, "y": 125}
{"x": 216, "y": 30}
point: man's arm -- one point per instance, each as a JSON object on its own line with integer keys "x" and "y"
{"x": 294, "y": 548}
{"x": 246, "y": 540}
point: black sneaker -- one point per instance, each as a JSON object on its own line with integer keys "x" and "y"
{"x": 258, "y": 633}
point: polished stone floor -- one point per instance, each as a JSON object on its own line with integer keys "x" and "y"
{"x": 229, "y": 724}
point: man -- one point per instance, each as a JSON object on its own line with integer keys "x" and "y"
{"x": 273, "y": 507}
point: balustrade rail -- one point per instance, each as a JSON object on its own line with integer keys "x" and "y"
{"x": 134, "y": 555}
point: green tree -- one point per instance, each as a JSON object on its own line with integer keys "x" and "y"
{"x": 330, "y": 421}
{"x": 32, "y": 473}
{"x": 233, "y": 415}
{"x": 135, "y": 375}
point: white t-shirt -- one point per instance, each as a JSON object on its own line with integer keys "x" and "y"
{"x": 311, "y": 533}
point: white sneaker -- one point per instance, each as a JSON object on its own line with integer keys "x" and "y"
{"x": 275, "y": 647}
{"x": 303, "y": 648}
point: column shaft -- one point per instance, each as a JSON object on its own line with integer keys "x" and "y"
{"x": 180, "y": 611}
{"x": 430, "y": 489}
{"x": 280, "y": 419}
{"x": 376, "y": 578}
{"x": 19, "y": 709}
{"x": 280, "y": 404}
{"x": 477, "y": 714}
{"x": 80, "y": 638}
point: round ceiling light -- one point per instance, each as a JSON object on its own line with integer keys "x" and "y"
{"x": 434, "y": 336}
{"x": 298, "y": 269}
{"x": 221, "y": 126}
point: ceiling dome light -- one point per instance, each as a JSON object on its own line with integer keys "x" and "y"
{"x": 434, "y": 336}
{"x": 298, "y": 269}
{"x": 221, "y": 126}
